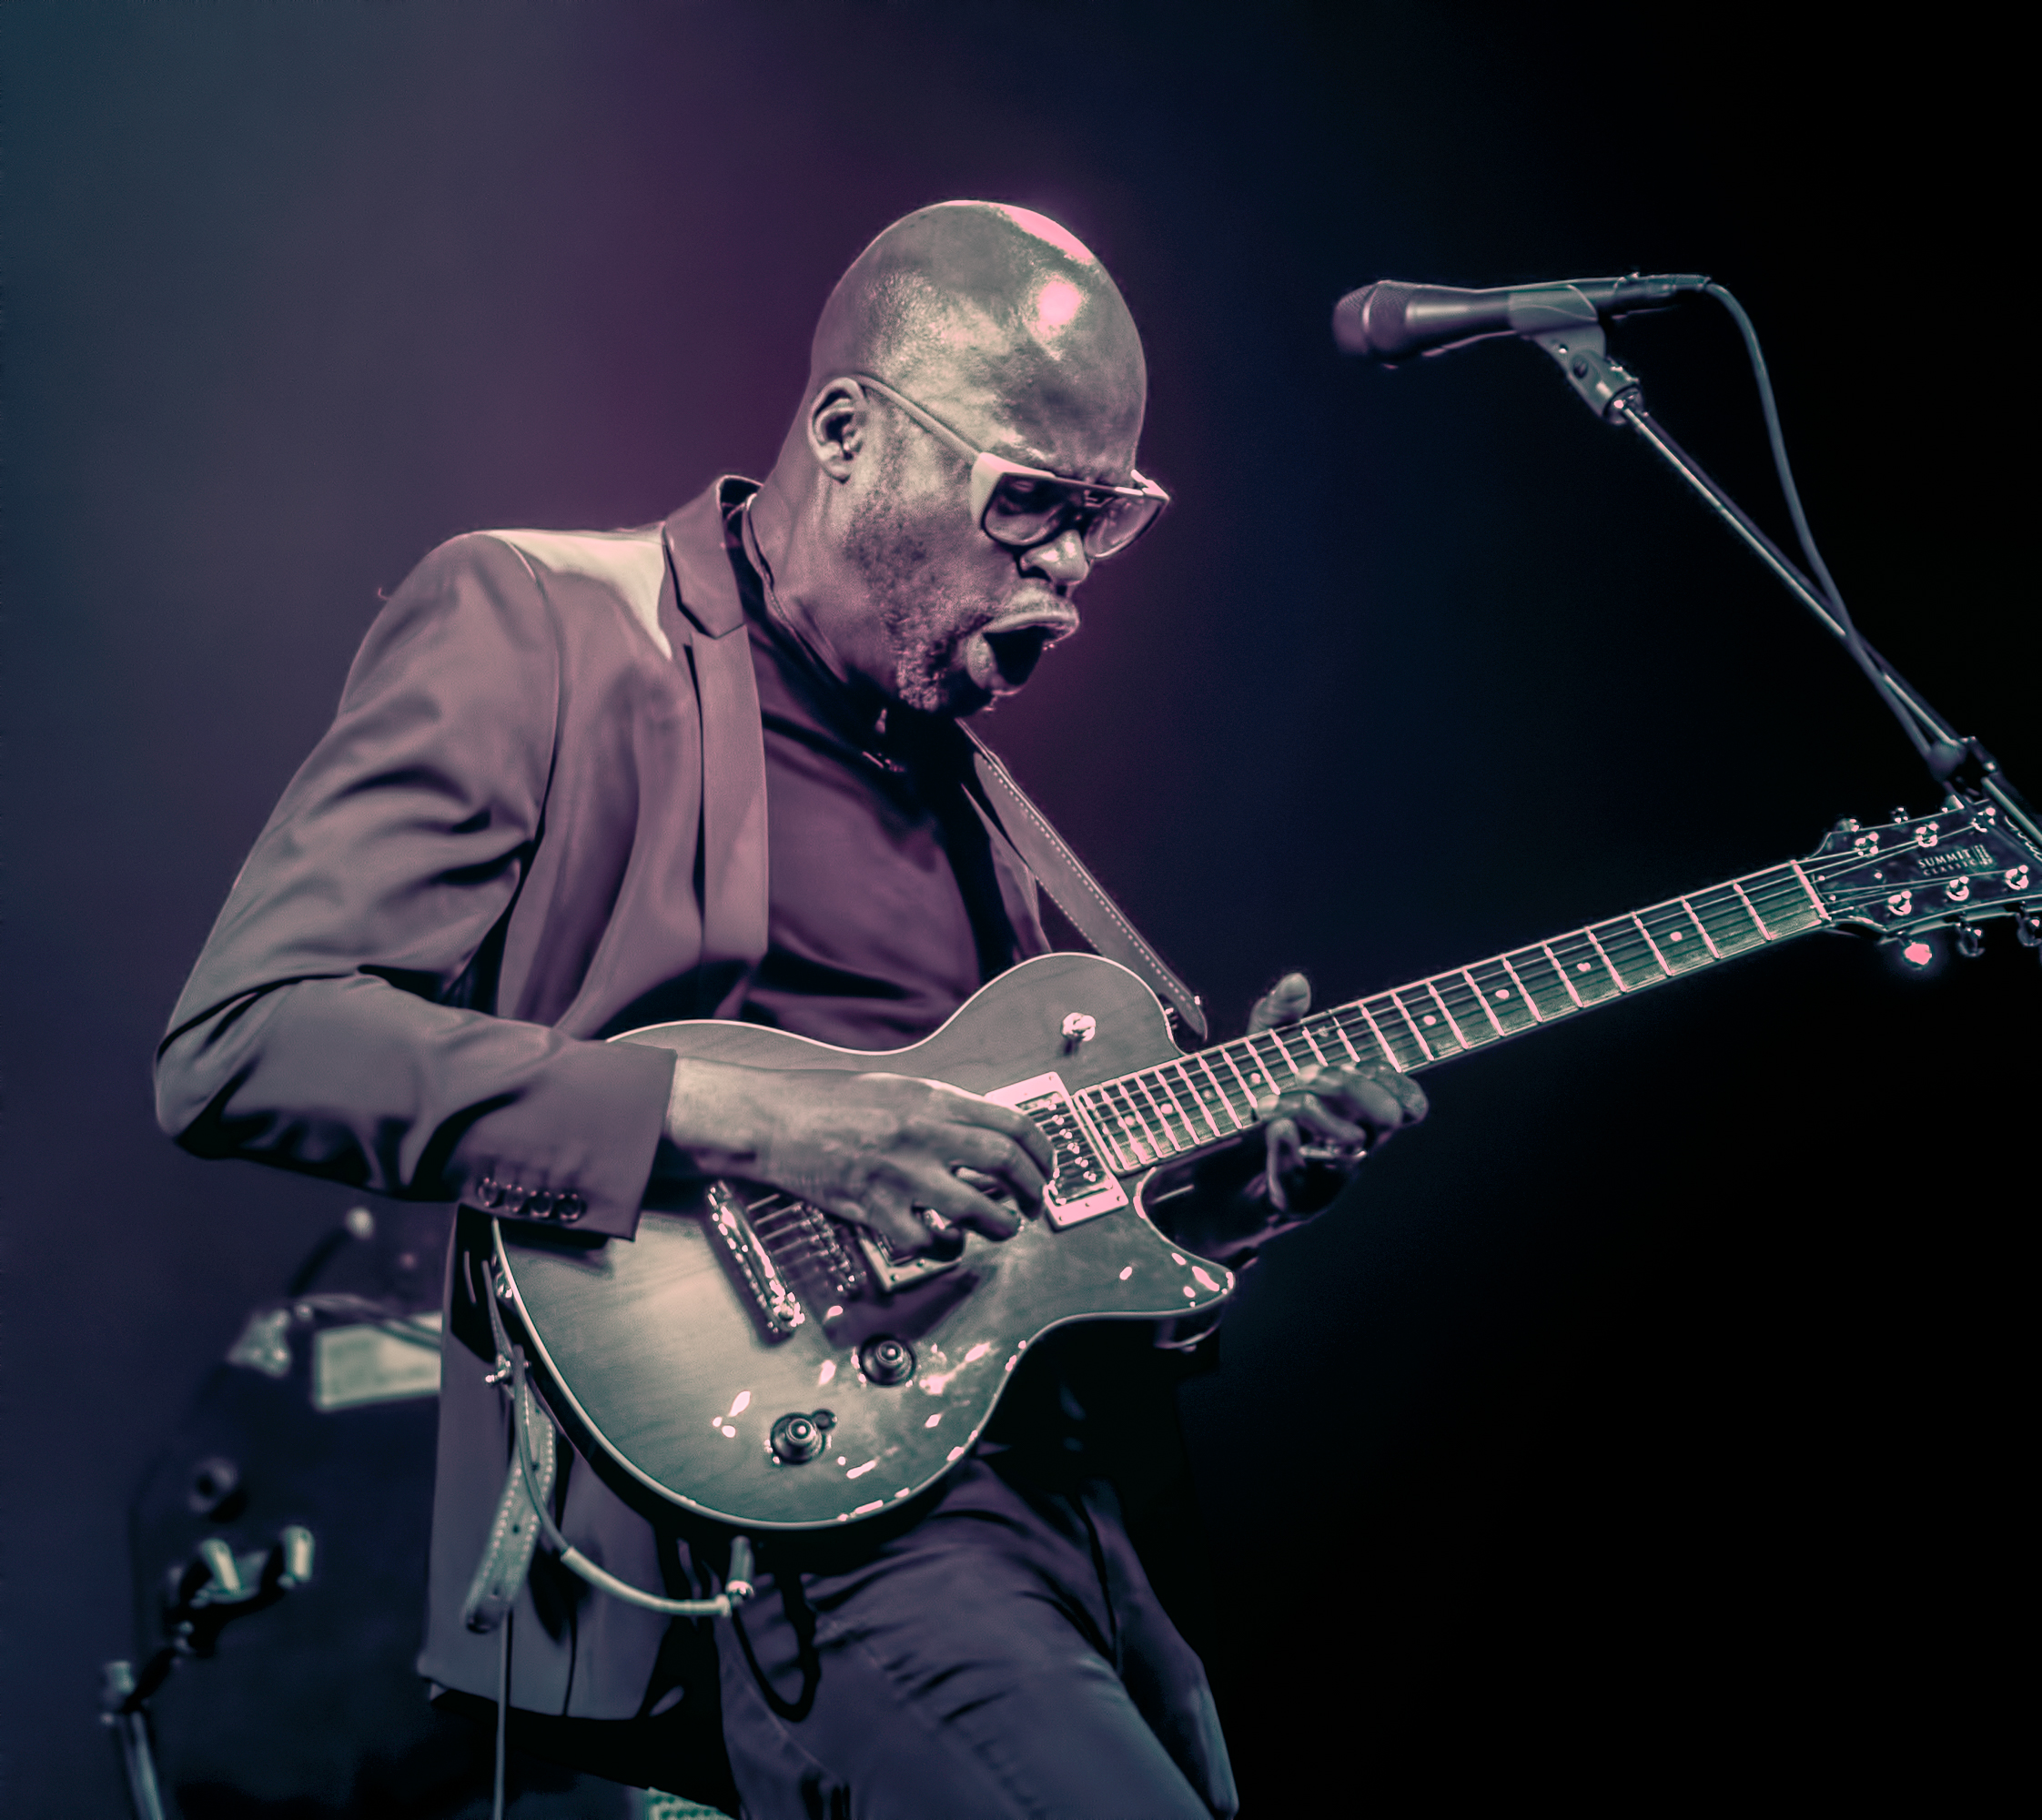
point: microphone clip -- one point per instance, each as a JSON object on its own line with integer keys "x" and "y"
{"x": 1562, "y": 320}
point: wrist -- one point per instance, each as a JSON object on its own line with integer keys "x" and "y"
{"x": 717, "y": 1119}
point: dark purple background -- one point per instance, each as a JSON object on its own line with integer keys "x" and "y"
{"x": 1635, "y": 1428}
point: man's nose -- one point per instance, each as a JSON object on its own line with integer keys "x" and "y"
{"x": 1061, "y": 561}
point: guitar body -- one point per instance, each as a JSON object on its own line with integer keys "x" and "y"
{"x": 670, "y": 1355}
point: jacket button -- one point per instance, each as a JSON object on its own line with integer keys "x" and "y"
{"x": 539, "y": 1204}
{"x": 570, "y": 1208}
{"x": 514, "y": 1199}
{"x": 489, "y": 1194}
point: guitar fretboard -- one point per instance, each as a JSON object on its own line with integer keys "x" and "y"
{"x": 1205, "y": 1099}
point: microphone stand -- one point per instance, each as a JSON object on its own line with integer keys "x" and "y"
{"x": 1573, "y": 336}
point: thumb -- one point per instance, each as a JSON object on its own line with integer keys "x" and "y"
{"x": 1285, "y": 1002}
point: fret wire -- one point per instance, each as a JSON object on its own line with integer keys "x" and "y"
{"x": 1492, "y": 975}
{"x": 1105, "y": 1119}
{"x": 1112, "y": 1126}
{"x": 1653, "y": 945}
{"x": 1776, "y": 880}
{"x": 1398, "y": 1001}
{"x": 1532, "y": 957}
{"x": 1258, "y": 1069}
{"x": 1724, "y": 908}
{"x": 1523, "y": 991}
{"x": 1546, "y": 948}
{"x": 1133, "y": 1111}
{"x": 1318, "y": 1053}
{"x": 1791, "y": 884}
{"x": 1177, "y": 1099}
{"x": 1162, "y": 1117}
{"x": 1739, "y": 889}
{"x": 1778, "y": 895}
{"x": 1388, "y": 1053}
{"x": 1621, "y": 940}
{"x": 1481, "y": 998}
{"x": 1247, "y": 1093}
{"x": 1820, "y": 911}
{"x": 1353, "y": 1055}
{"x": 1261, "y": 1061}
{"x": 1701, "y": 929}
{"x": 1224, "y": 1100}
{"x": 1451, "y": 1024}
{"x": 1606, "y": 961}
{"x": 1674, "y": 939}
{"x": 1275, "y": 1036}
{"x": 1197, "y": 1100}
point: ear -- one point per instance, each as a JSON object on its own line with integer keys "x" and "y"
{"x": 837, "y": 418}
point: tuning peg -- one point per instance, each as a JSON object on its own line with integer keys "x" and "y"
{"x": 2028, "y": 930}
{"x": 1970, "y": 941}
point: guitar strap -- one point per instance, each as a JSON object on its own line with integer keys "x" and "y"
{"x": 1073, "y": 890}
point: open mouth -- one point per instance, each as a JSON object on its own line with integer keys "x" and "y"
{"x": 1002, "y": 656}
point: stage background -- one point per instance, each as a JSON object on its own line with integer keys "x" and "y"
{"x": 1634, "y": 1435}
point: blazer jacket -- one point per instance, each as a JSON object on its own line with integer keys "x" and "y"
{"x": 539, "y": 819}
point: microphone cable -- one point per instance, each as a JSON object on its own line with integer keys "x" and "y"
{"x": 1929, "y": 749}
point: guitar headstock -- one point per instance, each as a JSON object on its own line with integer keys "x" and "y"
{"x": 1956, "y": 868}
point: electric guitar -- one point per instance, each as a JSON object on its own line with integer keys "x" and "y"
{"x": 755, "y": 1360}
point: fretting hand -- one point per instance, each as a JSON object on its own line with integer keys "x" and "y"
{"x": 1329, "y": 1117}
{"x": 1313, "y": 1137}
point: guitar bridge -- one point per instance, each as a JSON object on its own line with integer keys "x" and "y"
{"x": 777, "y": 1305}
{"x": 1083, "y": 1186}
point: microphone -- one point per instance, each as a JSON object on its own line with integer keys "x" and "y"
{"x": 1391, "y": 320}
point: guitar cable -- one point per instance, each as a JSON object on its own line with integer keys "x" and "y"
{"x": 510, "y": 1363}
{"x": 526, "y": 1413}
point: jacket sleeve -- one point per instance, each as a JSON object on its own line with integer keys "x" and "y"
{"x": 339, "y": 1019}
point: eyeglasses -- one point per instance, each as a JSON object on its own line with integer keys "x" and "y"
{"x": 1021, "y": 507}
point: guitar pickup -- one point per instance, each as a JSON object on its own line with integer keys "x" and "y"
{"x": 1083, "y": 1186}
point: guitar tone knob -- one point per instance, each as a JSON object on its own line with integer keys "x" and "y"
{"x": 886, "y": 1361}
{"x": 796, "y": 1438}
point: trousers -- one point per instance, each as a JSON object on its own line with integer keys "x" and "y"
{"x": 1003, "y": 1655}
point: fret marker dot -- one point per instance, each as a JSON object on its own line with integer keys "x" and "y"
{"x": 1503, "y": 992}
{"x": 1581, "y": 967}
{"x": 1429, "y": 1018}
{"x": 1674, "y": 935}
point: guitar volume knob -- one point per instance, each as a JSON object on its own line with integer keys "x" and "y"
{"x": 796, "y": 1438}
{"x": 886, "y": 1361}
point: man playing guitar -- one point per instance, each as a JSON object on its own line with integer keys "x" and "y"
{"x": 582, "y": 784}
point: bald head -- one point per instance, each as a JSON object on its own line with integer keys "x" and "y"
{"x": 978, "y": 302}
{"x": 1002, "y": 327}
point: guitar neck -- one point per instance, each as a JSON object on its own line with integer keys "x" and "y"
{"x": 1206, "y": 1099}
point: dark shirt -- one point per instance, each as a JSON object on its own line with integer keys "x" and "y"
{"x": 885, "y": 912}
{"x": 884, "y": 916}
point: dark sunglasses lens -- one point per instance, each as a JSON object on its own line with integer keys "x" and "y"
{"x": 1119, "y": 524}
{"x": 1023, "y": 512}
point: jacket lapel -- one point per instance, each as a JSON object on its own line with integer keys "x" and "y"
{"x": 733, "y": 793}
